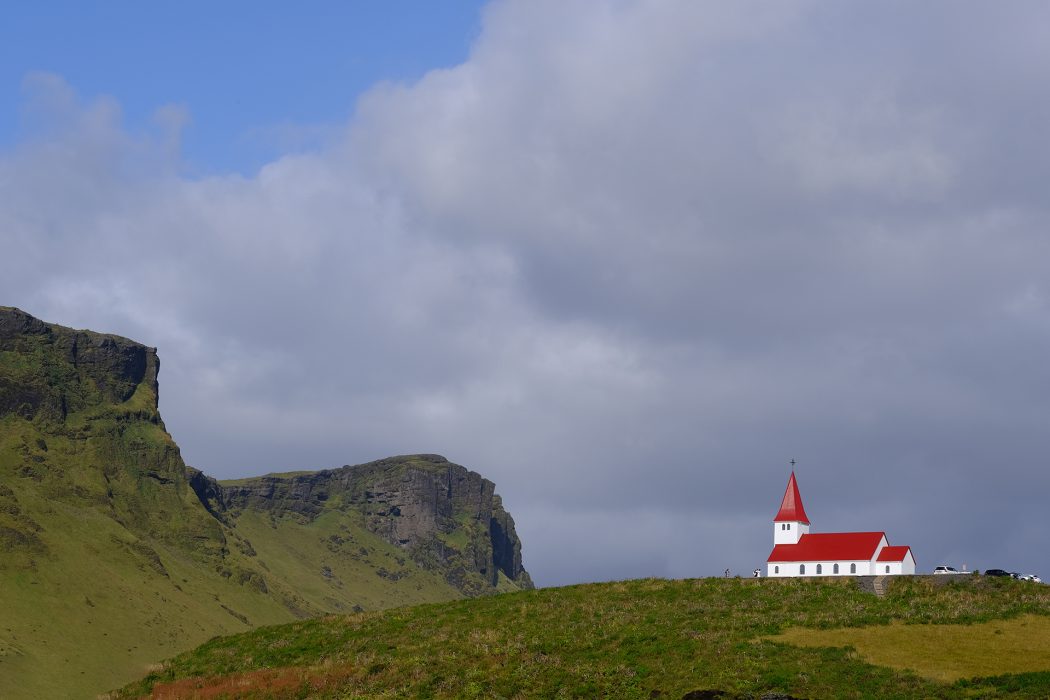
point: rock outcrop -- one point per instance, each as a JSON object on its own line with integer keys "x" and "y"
{"x": 441, "y": 514}
{"x": 81, "y": 426}
{"x": 79, "y": 368}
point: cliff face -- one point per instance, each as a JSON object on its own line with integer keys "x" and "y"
{"x": 79, "y": 368}
{"x": 443, "y": 516}
{"x": 79, "y": 425}
{"x": 115, "y": 554}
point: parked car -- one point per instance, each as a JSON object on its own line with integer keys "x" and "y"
{"x": 1032, "y": 577}
{"x": 947, "y": 570}
{"x": 996, "y": 572}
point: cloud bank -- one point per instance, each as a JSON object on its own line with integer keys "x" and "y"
{"x": 627, "y": 260}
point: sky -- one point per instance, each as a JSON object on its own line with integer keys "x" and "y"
{"x": 626, "y": 259}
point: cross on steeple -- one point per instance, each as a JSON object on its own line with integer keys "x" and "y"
{"x": 792, "y": 464}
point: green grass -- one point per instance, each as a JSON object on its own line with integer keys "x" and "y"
{"x": 103, "y": 602}
{"x": 95, "y": 611}
{"x": 632, "y": 639}
{"x": 108, "y": 562}
{"x": 942, "y": 652}
{"x": 269, "y": 475}
{"x": 334, "y": 564}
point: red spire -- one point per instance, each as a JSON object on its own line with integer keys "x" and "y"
{"x": 791, "y": 509}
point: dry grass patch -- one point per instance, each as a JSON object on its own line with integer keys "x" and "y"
{"x": 945, "y": 653}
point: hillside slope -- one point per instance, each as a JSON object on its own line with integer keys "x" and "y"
{"x": 708, "y": 638}
{"x": 114, "y": 554}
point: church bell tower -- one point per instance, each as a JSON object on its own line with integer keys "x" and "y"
{"x": 791, "y": 521}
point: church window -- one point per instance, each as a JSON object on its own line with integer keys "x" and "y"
{"x": 853, "y": 568}
{"x": 788, "y": 526}
{"x": 776, "y": 569}
{"x": 802, "y": 569}
{"x": 887, "y": 568}
{"x": 820, "y": 570}
{"x": 835, "y": 569}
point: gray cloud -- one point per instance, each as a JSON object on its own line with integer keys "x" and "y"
{"x": 626, "y": 261}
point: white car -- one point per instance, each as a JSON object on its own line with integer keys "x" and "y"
{"x": 1032, "y": 577}
{"x": 948, "y": 570}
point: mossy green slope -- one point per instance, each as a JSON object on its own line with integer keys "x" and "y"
{"x": 110, "y": 559}
{"x": 632, "y": 639}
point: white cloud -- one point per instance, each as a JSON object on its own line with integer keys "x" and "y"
{"x": 873, "y": 147}
{"x": 626, "y": 261}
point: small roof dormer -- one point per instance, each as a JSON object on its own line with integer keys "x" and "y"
{"x": 791, "y": 509}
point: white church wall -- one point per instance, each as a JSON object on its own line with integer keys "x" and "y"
{"x": 861, "y": 567}
{"x": 896, "y": 568}
{"x": 789, "y": 532}
{"x": 792, "y": 569}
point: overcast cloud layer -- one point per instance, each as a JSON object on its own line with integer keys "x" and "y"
{"x": 626, "y": 261}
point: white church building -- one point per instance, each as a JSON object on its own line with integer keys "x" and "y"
{"x": 798, "y": 552}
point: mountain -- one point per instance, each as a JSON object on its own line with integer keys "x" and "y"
{"x": 114, "y": 553}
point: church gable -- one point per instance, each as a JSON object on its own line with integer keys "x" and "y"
{"x": 895, "y": 553}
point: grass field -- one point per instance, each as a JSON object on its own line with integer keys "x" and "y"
{"x": 942, "y": 652}
{"x": 103, "y": 614}
{"x": 636, "y": 639}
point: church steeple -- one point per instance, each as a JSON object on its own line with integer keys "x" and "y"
{"x": 791, "y": 521}
{"x": 791, "y": 509}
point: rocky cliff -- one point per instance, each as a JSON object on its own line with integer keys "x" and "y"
{"x": 114, "y": 553}
{"x": 443, "y": 516}
{"x": 63, "y": 370}
{"x": 79, "y": 425}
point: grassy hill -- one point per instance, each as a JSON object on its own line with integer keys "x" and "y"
{"x": 649, "y": 639}
{"x": 114, "y": 554}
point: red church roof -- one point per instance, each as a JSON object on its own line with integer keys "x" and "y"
{"x": 831, "y": 546}
{"x": 894, "y": 553}
{"x": 791, "y": 509}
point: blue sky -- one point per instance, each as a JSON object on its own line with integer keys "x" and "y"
{"x": 244, "y": 70}
{"x": 625, "y": 258}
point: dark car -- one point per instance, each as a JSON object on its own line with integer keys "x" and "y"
{"x": 997, "y": 572}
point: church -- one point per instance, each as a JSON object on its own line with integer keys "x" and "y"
{"x": 798, "y": 552}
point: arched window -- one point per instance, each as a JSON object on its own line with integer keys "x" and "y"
{"x": 835, "y": 569}
{"x": 887, "y": 568}
{"x": 820, "y": 570}
{"x": 776, "y": 569}
{"x": 788, "y": 526}
{"x": 853, "y": 568}
{"x": 802, "y": 569}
